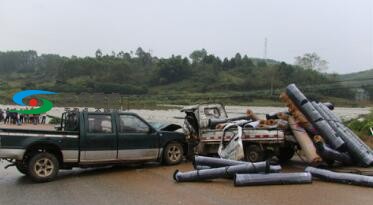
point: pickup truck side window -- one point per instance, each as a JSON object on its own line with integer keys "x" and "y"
{"x": 99, "y": 124}
{"x": 132, "y": 124}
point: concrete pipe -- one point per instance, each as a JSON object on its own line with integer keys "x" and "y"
{"x": 222, "y": 172}
{"x": 296, "y": 95}
{"x": 328, "y": 154}
{"x": 304, "y": 142}
{"x": 329, "y": 105}
{"x": 272, "y": 179}
{"x": 329, "y": 134}
{"x": 344, "y": 178}
{"x": 214, "y": 162}
{"x": 314, "y": 117}
{"x": 360, "y": 152}
{"x": 201, "y": 167}
{"x": 312, "y": 113}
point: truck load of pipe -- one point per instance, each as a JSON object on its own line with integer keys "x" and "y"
{"x": 334, "y": 132}
{"x": 223, "y": 172}
{"x": 344, "y": 178}
{"x": 355, "y": 146}
{"x": 360, "y": 151}
{"x": 314, "y": 117}
{"x": 298, "y": 116}
{"x": 272, "y": 179}
{"x": 214, "y": 122}
{"x": 304, "y": 142}
{"x": 329, "y": 154}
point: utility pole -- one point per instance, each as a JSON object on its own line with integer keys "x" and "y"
{"x": 265, "y": 58}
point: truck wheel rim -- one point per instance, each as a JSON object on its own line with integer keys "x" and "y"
{"x": 44, "y": 167}
{"x": 253, "y": 156}
{"x": 174, "y": 153}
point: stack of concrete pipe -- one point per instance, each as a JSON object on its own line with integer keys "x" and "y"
{"x": 340, "y": 141}
{"x": 243, "y": 173}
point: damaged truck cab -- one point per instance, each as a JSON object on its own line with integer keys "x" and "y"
{"x": 87, "y": 139}
{"x": 259, "y": 143}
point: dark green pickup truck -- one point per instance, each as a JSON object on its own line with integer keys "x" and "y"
{"x": 86, "y": 139}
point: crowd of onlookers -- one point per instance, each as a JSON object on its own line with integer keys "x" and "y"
{"x": 19, "y": 118}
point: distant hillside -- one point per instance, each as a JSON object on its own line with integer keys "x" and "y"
{"x": 357, "y": 75}
{"x": 200, "y": 75}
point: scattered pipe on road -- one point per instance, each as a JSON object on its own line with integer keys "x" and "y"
{"x": 272, "y": 179}
{"x": 344, "y": 178}
{"x": 223, "y": 172}
{"x": 201, "y": 167}
{"x": 214, "y": 162}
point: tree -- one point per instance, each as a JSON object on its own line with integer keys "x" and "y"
{"x": 246, "y": 61}
{"x": 144, "y": 57}
{"x": 98, "y": 53}
{"x": 198, "y": 55}
{"x": 173, "y": 69}
{"x": 311, "y": 61}
{"x": 238, "y": 59}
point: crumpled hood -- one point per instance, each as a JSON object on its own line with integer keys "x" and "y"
{"x": 165, "y": 126}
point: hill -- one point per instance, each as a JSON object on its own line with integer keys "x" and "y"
{"x": 176, "y": 79}
{"x": 357, "y": 75}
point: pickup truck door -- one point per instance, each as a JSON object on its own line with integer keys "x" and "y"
{"x": 100, "y": 143}
{"x": 137, "y": 140}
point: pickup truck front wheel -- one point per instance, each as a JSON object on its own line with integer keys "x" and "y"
{"x": 43, "y": 167}
{"x": 173, "y": 153}
{"x": 21, "y": 167}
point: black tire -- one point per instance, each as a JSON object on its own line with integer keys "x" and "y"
{"x": 21, "y": 167}
{"x": 173, "y": 153}
{"x": 43, "y": 167}
{"x": 254, "y": 153}
{"x": 286, "y": 153}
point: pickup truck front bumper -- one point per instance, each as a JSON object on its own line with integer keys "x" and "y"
{"x": 16, "y": 154}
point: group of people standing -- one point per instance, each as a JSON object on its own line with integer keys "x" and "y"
{"x": 19, "y": 118}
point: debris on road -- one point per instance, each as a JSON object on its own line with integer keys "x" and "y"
{"x": 225, "y": 172}
{"x": 272, "y": 179}
{"x": 222, "y": 169}
{"x": 344, "y": 178}
{"x": 314, "y": 129}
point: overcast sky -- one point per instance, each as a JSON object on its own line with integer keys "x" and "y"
{"x": 340, "y": 31}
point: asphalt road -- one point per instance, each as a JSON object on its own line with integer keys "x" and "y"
{"x": 153, "y": 184}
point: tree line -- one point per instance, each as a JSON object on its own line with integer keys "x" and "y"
{"x": 140, "y": 72}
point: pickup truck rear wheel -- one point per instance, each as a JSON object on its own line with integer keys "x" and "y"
{"x": 43, "y": 167}
{"x": 173, "y": 153}
{"x": 21, "y": 167}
